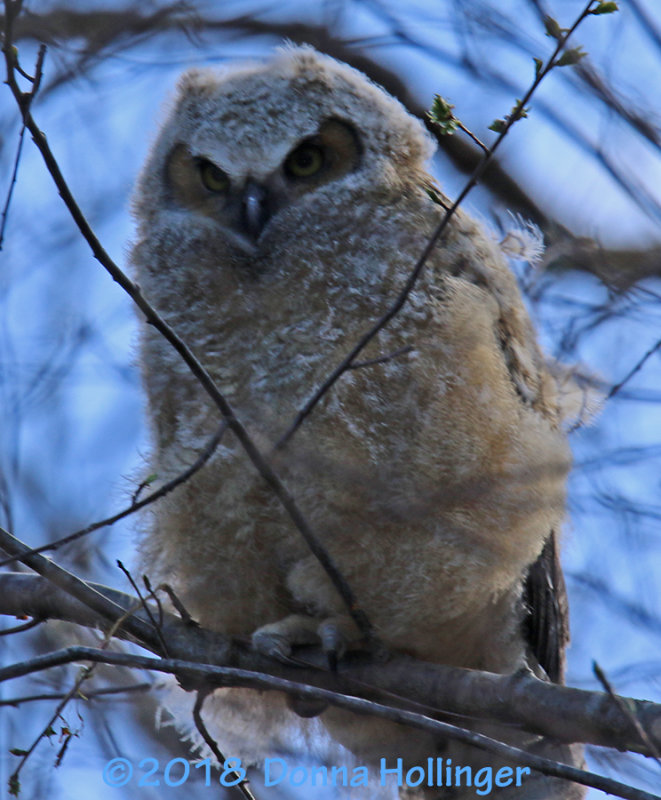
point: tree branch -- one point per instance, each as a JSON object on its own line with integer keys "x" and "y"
{"x": 104, "y": 607}
{"x": 557, "y": 712}
{"x": 518, "y": 112}
{"x": 152, "y": 317}
{"x": 226, "y": 676}
{"x": 136, "y": 505}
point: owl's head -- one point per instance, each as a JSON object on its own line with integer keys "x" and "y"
{"x": 241, "y": 147}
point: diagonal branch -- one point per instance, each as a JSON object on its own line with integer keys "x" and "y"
{"x": 152, "y": 317}
{"x": 106, "y": 608}
{"x": 136, "y": 505}
{"x": 225, "y": 676}
{"x": 560, "y": 713}
{"x": 241, "y": 783}
{"x": 517, "y": 113}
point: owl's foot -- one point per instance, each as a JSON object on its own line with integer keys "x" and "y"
{"x": 333, "y": 634}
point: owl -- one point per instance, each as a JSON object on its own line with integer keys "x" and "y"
{"x": 280, "y": 212}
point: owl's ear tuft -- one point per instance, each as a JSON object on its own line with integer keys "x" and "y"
{"x": 303, "y": 64}
{"x": 300, "y": 56}
{"x": 196, "y": 82}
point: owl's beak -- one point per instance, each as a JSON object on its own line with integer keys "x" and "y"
{"x": 254, "y": 208}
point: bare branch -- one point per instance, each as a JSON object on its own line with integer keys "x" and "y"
{"x": 87, "y": 696}
{"x": 560, "y": 713}
{"x": 239, "y": 677}
{"x": 143, "y": 604}
{"x": 82, "y": 591}
{"x": 644, "y": 736}
{"x": 12, "y": 184}
{"x": 401, "y": 351}
{"x": 241, "y": 784}
{"x": 634, "y": 370}
{"x": 517, "y": 113}
{"x": 261, "y": 464}
{"x": 26, "y": 626}
{"x": 136, "y": 504}
{"x": 84, "y": 674}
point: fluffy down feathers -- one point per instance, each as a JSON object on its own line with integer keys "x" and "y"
{"x": 434, "y": 478}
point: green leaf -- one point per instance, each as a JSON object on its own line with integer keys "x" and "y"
{"x": 570, "y": 57}
{"x": 553, "y": 29}
{"x": 498, "y": 125}
{"x": 539, "y": 65}
{"x": 441, "y": 115}
{"x": 434, "y": 195}
{"x": 16, "y": 751}
{"x": 518, "y": 111}
{"x": 14, "y": 786}
{"x": 605, "y": 8}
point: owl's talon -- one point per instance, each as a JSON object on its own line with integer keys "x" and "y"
{"x": 333, "y": 642}
{"x": 277, "y": 638}
{"x": 273, "y": 645}
{"x": 332, "y": 659}
{"x": 333, "y": 633}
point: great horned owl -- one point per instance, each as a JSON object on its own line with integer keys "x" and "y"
{"x": 281, "y": 210}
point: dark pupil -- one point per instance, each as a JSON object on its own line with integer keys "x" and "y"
{"x": 305, "y": 158}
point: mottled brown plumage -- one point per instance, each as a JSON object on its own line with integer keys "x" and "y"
{"x": 279, "y": 213}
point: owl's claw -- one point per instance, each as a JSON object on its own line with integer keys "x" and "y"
{"x": 334, "y": 641}
{"x": 273, "y": 645}
{"x": 277, "y": 638}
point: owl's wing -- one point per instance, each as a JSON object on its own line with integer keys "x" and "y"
{"x": 546, "y": 620}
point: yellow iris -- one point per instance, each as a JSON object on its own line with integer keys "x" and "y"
{"x": 213, "y": 178}
{"x": 305, "y": 161}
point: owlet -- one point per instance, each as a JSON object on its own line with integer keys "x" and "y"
{"x": 281, "y": 210}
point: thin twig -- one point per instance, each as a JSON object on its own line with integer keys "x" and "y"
{"x": 153, "y": 593}
{"x": 483, "y": 147}
{"x": 382, "y": 359}
{"x": 136, "y": 505}
{"x": 238, "y": 677}
{"x": 87, "y": 696}
{"x": 395, "y": 307}
{"x": 12, "y": 184}
{"x": 615, "y": 389}
{"x": 28, "y": 97}
{"x": 26, "y": 626}
{"x": 84, "y": 674}
{"x": 176, "y": 602}
{"x": 241, "y": 784}
{"x": 145, "y": 607}
{"x": 620, "y": 703}
{"x": 259, "y": 461}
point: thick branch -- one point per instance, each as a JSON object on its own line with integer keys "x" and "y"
{"x": 225, "y": 676}
{"x": 557, "y": 712}
{"x": 102, "y": 605}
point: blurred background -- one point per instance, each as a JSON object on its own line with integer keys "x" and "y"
{"x": 585, "y": 167}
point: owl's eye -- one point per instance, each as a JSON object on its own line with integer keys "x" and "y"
{"x": 305, "y": 161}
{"x": 213, "y": 178}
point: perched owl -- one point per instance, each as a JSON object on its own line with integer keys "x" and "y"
{"x": 281, "y": 210}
